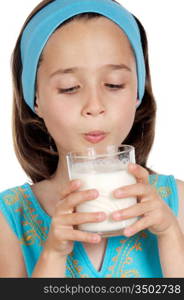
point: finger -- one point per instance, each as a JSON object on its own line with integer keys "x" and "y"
{"x": 140, "y": 173}
{"x": 137, "y": 189}
{"x": 72, "y": 186}
{"x": 74, "y": 199}
{"x": 81, "y": 236}
{"x": 81, "y": 218}
{"x": 134, "y": 210}
{"x": 141, "y": 224}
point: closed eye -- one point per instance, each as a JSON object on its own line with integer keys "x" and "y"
{"x": 112, "y": 86}
{"x": 115, "y": 86}
{"x": 68, "y": 90}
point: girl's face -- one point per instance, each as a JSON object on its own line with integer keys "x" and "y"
{"x": 93, "y": 102}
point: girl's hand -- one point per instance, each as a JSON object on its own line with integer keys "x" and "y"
{"x": 155, "y": 214}
{"x": 62, "y": 231}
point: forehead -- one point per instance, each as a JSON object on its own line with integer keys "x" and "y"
{"x": 93, "y": 35}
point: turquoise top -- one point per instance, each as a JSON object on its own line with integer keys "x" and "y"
{"x": 135, "y": 256}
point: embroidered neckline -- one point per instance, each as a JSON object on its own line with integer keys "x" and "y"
{"x": 107, "y": 254}
{"x": 116, "y": 267}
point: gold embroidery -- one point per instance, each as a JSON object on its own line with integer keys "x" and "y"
{"x": 163, "y": 191}
{"x": 121, "y": 263}
{"x": 10, "y": 199}
{"x": 153, "y": 179}
{"x": 74, "y": 268}
{"x": 130, "y": 273}
{"x": 123, "y": 257}
{"x": 29, "y": 218}
{"x": 28, "y": 238}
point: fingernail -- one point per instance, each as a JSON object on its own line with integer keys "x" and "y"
{"x": 94, "y": 193}
{"x": 119, "y": 193}
{"x": 117, "y": 215}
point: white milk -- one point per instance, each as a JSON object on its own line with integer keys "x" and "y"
{"x": 106, "y": 177}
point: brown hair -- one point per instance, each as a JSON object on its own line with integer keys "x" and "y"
{"x": 33, "y": 145}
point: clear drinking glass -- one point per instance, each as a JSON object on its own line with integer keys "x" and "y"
{"x": 104, "y": 172}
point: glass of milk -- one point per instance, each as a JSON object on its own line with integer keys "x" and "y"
{"x": 104, "y": 171}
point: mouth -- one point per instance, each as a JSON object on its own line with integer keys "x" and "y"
{"x": 95, "y": 136}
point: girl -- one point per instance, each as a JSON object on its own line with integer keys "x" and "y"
{"x": 82, "y": 66}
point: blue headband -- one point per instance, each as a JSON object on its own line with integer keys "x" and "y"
{"x": 44, "y": 23}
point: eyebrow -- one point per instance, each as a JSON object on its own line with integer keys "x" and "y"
{"x": 75, "y": 69}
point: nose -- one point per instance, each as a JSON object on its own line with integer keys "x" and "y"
{"x": 94, "y": 105}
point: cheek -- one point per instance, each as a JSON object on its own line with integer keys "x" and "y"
{"x": 124, "y": 116}
{"x": 59, "y": 120}
{"x": 127, "y": 121}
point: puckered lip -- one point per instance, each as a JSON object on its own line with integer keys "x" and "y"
{"x": 96, "y": 133}
{"x": 95, "y": 136}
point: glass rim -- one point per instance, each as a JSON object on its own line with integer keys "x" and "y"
{"x": 130, "y": 148}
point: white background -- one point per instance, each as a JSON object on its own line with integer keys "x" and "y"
{"x": 164, "y": 23}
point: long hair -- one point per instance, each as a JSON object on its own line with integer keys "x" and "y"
{"x": 34, "y": 147}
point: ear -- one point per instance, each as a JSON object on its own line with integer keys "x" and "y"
{"x": 37, "y": 106}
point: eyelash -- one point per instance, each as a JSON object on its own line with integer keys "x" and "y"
{"x": 114, "y": 87}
